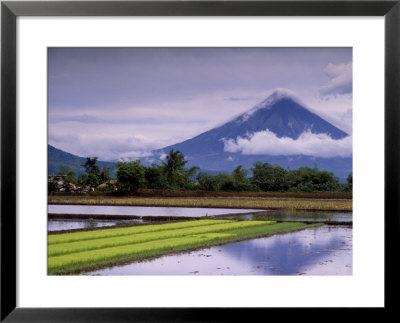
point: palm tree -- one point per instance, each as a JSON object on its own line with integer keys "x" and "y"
{"x": 91, "y": 167}
{"x": 174, "y": 163}
{"x": 191, "y": 172}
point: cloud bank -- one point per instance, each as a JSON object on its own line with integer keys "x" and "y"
{"x": 341, "y": 80}
{"x": 103, "y": 146}
{"x": 309, "y": 144}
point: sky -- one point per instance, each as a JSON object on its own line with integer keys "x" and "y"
{"x": 118, "y": 103}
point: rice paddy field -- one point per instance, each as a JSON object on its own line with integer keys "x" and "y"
{"x": 248, "y": 202}
{"x": 76, "y": 252}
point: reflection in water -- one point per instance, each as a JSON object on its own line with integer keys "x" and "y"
{"x": 141, "y": 210}
{"x": 64, "y": 224}
{"x": 325, "y": 250}
{"x": 297, "y": 215}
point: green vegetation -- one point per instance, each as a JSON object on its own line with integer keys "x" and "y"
{"x": 131, "y": 176}
{"x": 66, "y": 181}
{"x": 173, "y": 166}
{"x": 349, "y": 185}
{"x": 69, "y": 173}
{"x": 268, "y": 177}
{"x": 91, "y": 167}
{"x": 172, "y": 175}
{"x": 79, "y": 251}
{"x": 97, "y": 234}
{"x": 85, "y": 245}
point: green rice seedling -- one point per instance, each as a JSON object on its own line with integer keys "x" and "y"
{"x": 120, "y": 253}
{"x": 105, "y": 256}
{"x": 85, "y": 245}
{"x": 113, "y": 232}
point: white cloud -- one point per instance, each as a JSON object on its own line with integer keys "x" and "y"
{"x": 267, "y": 143}
{"x": 103, "y": 145}
{"x": 341, "y": 80}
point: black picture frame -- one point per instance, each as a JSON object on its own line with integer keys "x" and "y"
{"x": 10, "y": 10}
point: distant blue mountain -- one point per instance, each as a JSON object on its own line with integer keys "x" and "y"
{"x": 57, "y": 158}
{"x": 281, "y": 113}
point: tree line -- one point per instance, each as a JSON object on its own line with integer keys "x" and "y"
{"x": 172, "y": 174}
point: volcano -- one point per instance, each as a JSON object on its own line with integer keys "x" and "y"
{"x": 281, "y": 114}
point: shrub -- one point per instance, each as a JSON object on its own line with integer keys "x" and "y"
{"x": 131, "y": 176}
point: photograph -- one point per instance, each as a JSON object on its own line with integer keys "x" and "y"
{"x": 233, "y": 161}
{"x": 162, "y": 159}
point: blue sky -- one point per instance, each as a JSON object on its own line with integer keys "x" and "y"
{"x": 123, "y": 102}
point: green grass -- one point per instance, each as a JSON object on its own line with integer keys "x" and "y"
{"x": 106, "y": 247}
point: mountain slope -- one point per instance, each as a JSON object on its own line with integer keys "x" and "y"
{"x": 280, "y": 113}
{"x": 57, "y": 158}
{"x": 283, "y": 115}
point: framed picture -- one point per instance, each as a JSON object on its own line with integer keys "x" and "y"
{"x": 212, "y": 61}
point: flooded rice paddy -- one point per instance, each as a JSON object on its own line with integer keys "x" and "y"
{"x": 124, "y": 215}
{"x": 325, "y": 250}
{"x": 142, "y": 210}
{"x": 72, "y": 224}
{"x": 132, "y": 215}
{"x": 298, "y": 215}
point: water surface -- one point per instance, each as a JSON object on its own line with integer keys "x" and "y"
{"x": 71, "y": 224}
{"x": 142, "y": 210}
{"x": 326, "y": 250}
{"x": 297, "y": 215}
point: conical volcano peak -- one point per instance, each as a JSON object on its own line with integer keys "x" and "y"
{"x": 277, "y": 95}
{"x": 281, "y": 93}
{"x": 283, "y": 114}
